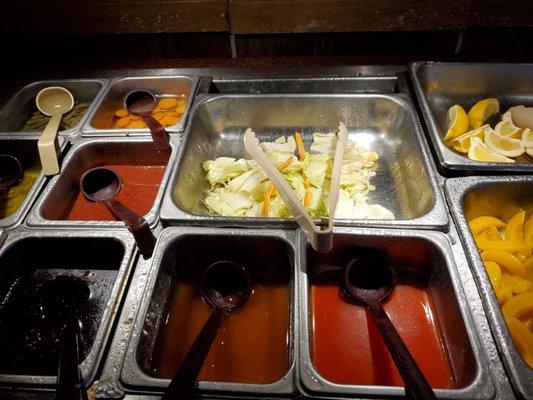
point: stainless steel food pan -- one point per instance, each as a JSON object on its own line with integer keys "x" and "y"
{"x": 25, "y": 149}
{"x": 59, "y": 195}
{"x": 387, "y": 124}
{"x": 105, "y": 258}
{"x": 429, "y": 256}
{"x": 100, "y": 119}
{"x": 439, "y": 86}
{"x": 22, "y": 105}
{"x": 500, "y": 197}
{"x": 181, "y": 250}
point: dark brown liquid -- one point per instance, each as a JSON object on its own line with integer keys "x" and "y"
{"x": 32, "y": 314}
{"x": 251, "y": 346}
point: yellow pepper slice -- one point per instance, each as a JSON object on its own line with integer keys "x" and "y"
{"x": 479, "y": 224}
{"x": 515, "y": 283}
{"x": 522, "y": 338}
{"x": 504, "y": 294}
{"x": 509, "y": 246}
{"x": 493, "y": 234}
{"x": 519, "y": 306}
{"x": 495, "y": 274}
{"x": 514, "y": 228}
{"x": 528, "y": 232}
{"x": 505, "y": 260}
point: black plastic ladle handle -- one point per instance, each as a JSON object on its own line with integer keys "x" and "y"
{"x": 158, "y": 131}
{"x": 69, "y": 386}
{"x": 413, "y": 378}
{"x": 182, "y": 383}
{"x": 137, "y": 225}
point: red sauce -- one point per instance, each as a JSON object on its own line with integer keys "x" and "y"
{"x": 251, "y": 345}
{"x": 140, "y": 184}
{"x": 347, "y": 347}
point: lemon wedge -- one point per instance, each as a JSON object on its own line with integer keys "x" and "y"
{"x": 483, "y": 110}
{"x": 462, "y": 143}
{"x": 503, "y": 145}
{"x": 507, "y": 128}
{"x": 507, "y": 116}
{"x": 479, "y": 151}
{"x": 457, "y": 122}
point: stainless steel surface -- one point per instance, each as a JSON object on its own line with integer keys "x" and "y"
{"x": 22, "y": 105}
{"x": 438, "y": 86}
{"x": 91, "y": 362}
{"x": 278, "y": 244}
{"x": 497, "y": 196}
{"x": 387, "y": 124}
{"x": 25, "y": 148}
{"x": 424, "y": 253}
{"x": 87, "y": 153}
{"x": 113, "y": 99}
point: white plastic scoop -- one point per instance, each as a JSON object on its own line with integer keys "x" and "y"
{"x": 53, "y": 101}
{"x": 321, "y": 239}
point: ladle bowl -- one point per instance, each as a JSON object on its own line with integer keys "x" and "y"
{"x": 226, "y": 285}
{"x": 10, "y": 172}
{"x": 141, "y": 102}
{"x": 102, "y": 184}
{"x": 369, "y": 279}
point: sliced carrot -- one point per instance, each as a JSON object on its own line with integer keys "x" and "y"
{"x": 122, "y": 122}
{"x": 307, "y": 184}
{"x": 121, "y": 113}
{"x": 300, "y": 146}
{"x": 266, "y": 202}
{"x": 308, "y": 197}
{"x": 285, "y": 164}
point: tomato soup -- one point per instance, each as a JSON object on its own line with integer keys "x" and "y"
{"x": 140, "y": 184}
{"x": 251, "y": 346}
{"x": 347, "y": 347}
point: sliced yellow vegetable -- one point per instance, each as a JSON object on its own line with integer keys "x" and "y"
{"x": 504, "y": 245}
{"x": 522, "y": 339}
{"x": 505, "y": 260}
{"x": 493, "y": 233}
{"x": 528, "y": 232}
{"x": 519, "y": 306}
{"x": 504, "y": 294}
{"x": 479, "y": 224}
{"x": 515, "y": 283}
{"x": 495, "y": 274}
{"x": 514, "y": 228}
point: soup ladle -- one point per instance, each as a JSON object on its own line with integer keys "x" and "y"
{"x": 61, "y": 300}
{"x": 102, "y": 184}
{"x": 141, "y": 102}
{"x": 10, "y": 172}
{"x": 225, "y": 286}
{"x": 369, "y": 279}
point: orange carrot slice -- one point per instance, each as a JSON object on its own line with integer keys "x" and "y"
{"x": 285, "y": 164}
{"x": 300, "y": 146}
{"x": 266, "y": 202}
{"x": 308, "y": 197}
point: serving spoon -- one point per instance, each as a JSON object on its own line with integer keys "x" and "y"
{"x": 102, "y": 184}
{"x": 369, "y": 279}
{"x": 141, "y": 102}
{"x": 226, "y": 286}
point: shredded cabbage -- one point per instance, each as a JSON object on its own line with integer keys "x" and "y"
{"x": 241, "y": 188}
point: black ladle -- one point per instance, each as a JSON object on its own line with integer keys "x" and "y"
{"x": 141, "y": 102}
{"x": 10, "y": 172}
{"x": 61, "y": 300}
{"x": 369, "y": 279}
{"x": 102, "y": 184}
{"x": 226, "y": 286}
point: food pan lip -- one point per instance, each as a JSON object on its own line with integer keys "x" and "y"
{"x": 37, "y": 220}
{"x": 131, "y": 374}
{"x": 15, "y": 219}
{"x": 88, "y": 130}
{"x": 448, "y": 159}
{"x": 89, "y": 366}
{"x": 456, "y": 189}
{"x": 435, "y": 218}
{"x": 309, "y": 379}
{"x": 58, "y": 82}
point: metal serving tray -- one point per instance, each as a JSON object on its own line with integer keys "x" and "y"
{"x": 497, "y": 196}
{"x": 117, "y": 90}
{"x": 438, "y": 86}
{"x": 25, "y": 148}
{"x": 387, "y": 124}
{"x": 21, "y": 106}
{"x": 424, "y": 253}
{"x": 205, "y": 245}
{"x": 90, "y": 153}
{"x": 70, "y": 247}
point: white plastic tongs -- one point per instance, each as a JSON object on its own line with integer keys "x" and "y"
{"x": 321, "y": 239}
